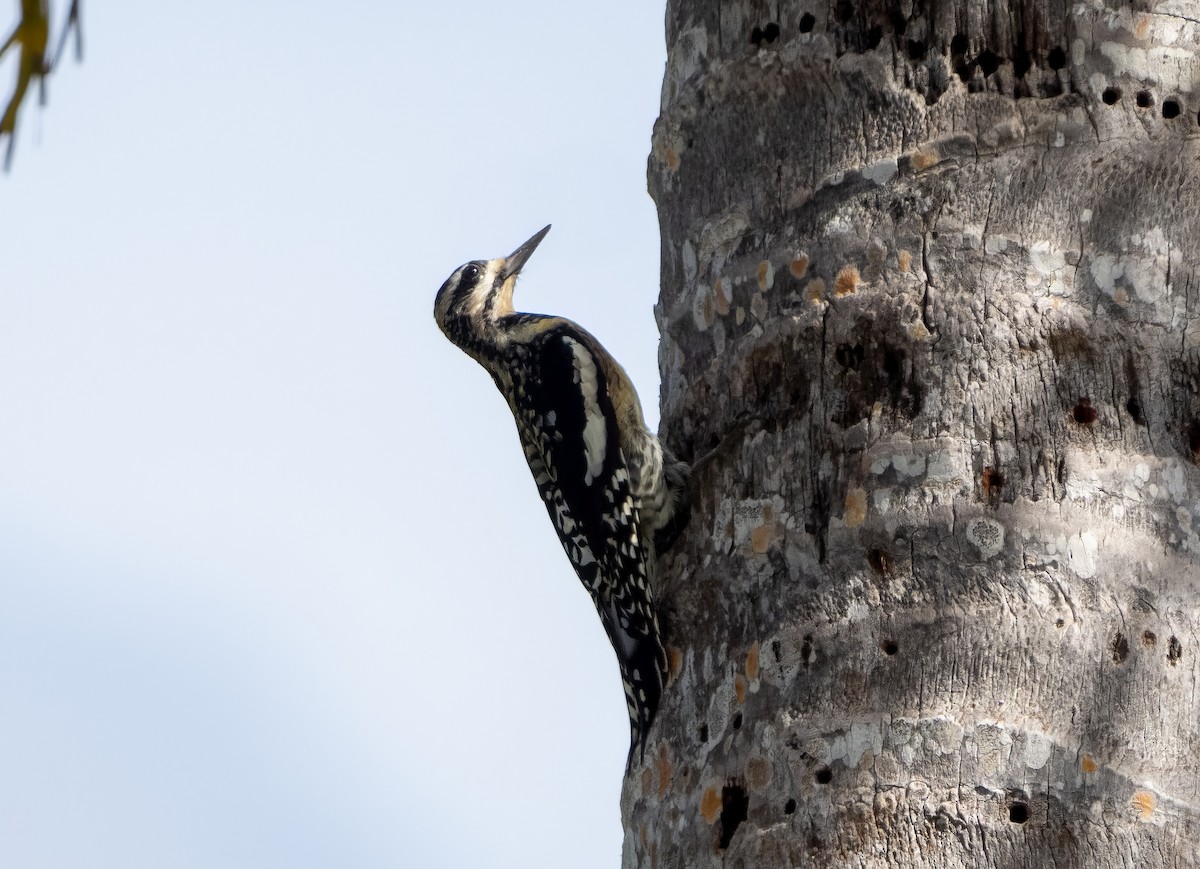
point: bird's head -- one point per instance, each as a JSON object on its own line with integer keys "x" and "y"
{"x": 479, "y": 293}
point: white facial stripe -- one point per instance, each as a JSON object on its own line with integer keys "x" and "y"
{"x": 594, "y": 430}
{"x": 479, "y": 294}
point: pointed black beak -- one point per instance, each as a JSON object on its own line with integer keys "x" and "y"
{"x": 521, "y": 255}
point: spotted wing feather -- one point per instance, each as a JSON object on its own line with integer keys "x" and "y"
{"x": 569, "y": 433}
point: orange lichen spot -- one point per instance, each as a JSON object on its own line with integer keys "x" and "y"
{"x": 672, "y": 159}
{"x": 799, "y": 266}
{"x": 739, "y": 688}
{"x": 665, "y": 769}
{"x": 1087, "y": 763}
{"x": 647, "y": 780}
{"x": 847, "y": 281}
{"x": 674, "y": 660}
{"x": 761, "y": 537}
{"x": 855, "y": 511}
{"x": 722, "y": 296}
{"x": 925, "y": 157}
{"x": 904, "y": 258}
{"x": 752, "y": 662}
{"x": 766, "y": 275}
{"x": 710, "y": 805}
{"x": 1142, "y": 27}
{"x": 1143, "y": 803}
{"x": 816, "y": 290}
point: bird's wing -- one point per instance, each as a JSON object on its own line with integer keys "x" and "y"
{"x": 569, "y": 431}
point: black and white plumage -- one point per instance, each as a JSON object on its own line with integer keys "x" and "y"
{"x": 615, "y": 496}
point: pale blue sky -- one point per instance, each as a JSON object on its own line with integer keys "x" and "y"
{"x": 276, "y": 589}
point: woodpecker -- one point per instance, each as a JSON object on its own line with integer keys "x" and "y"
{"x": 615, "y": 495}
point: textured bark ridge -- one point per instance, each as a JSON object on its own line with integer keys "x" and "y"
{"x": 929, "y": 313}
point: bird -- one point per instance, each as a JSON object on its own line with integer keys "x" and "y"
{"x": 615, "y": 495}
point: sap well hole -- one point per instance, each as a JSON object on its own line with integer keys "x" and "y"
{"x": 735, "y": 807}
{"x": 1084, "y": 413}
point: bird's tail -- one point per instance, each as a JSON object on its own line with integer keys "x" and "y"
{"x": 644, "y": 676}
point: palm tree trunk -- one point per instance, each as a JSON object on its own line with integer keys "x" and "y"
{"x": 930, "y": 315}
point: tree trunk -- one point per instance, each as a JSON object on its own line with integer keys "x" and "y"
{"x": 929, "y": 304}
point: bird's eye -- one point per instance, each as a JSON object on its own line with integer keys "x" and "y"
{"x": 471, "y": 274}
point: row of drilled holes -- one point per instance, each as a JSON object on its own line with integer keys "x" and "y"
{"x": 1018, "y": 811}
{"x": 1144, "y": 100}
{"x": 988, "y": 61}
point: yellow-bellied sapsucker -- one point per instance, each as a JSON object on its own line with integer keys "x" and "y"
{"x": 615, "y": 496}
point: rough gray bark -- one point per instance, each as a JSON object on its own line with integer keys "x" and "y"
{"x": 929, "y": 307}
